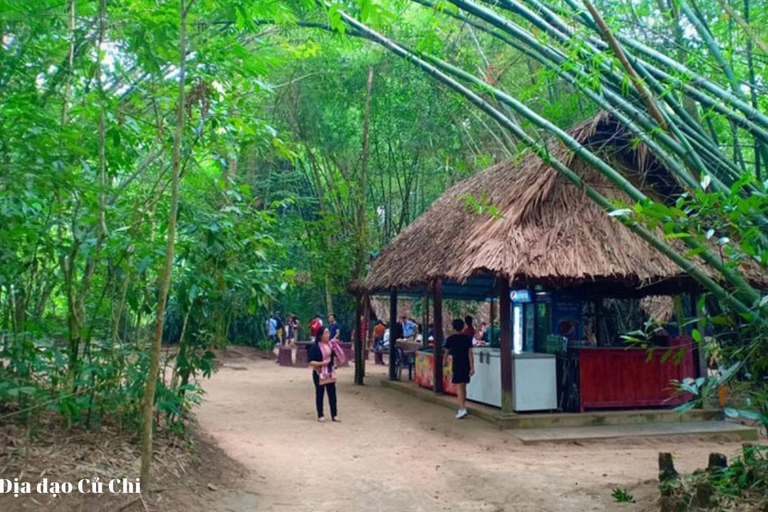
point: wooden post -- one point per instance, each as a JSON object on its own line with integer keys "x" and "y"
{"x": 505, "y": 346}
{"x": 437, "y": 380}
{"x": 425, "y": 321}
{"x": 667, "y": 479}
{"x": 490, "y": 327}
{"x": 359, "y": 348}
{"x": 392, "y": 333}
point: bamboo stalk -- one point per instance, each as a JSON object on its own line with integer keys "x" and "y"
{"x": 542, "y": 153}
{"x": 744, "y": 24}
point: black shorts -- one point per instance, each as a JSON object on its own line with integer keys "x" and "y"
{"x": 460, "y": 376}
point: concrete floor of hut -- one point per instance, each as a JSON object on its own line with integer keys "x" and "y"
{"x": 558, "y": 427}
{"x": 393, "y": 452}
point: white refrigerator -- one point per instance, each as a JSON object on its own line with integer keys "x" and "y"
{"x": 534, "y": 380}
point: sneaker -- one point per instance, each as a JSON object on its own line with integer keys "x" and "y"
{"x": 321, "y": 419}
{"x": 461, "y": 414}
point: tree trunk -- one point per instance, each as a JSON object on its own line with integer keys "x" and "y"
{"x": 361, "y": 233}
{"x": 165, "y": 277}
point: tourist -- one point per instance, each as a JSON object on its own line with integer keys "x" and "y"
{"x": 469, "y": 330}
{"x": 479, "y": 339}
{"x": 409, "y": 327}
{"x": 333, "y": 326}
{"x": 321, "y": 359}
{"x": 314, "y": 326}
{"x": 459, "y": 346}
{"x": 279, "y": 328}
{"x": 378, "y": 334}
{"x": 296, "y": 328}
{"x": 272, "y": 330}
{"x": 291, "y": 325}
{"x": 491, "y": 336}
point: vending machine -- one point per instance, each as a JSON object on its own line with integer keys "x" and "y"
{"x": 523, "y": 321}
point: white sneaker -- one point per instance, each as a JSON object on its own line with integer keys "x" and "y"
{"x": 461, "y": 414}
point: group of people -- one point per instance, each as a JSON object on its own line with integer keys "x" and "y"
{"x": 324, "y": 353}
{"x": 406, "y": 328}
{"x": 322, "y": 358}
{"x": 481, "y": 337}
{"x": 286, "y": 333}
{"x": 282, "y": 333}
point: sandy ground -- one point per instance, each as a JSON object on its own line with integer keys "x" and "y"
{"x": 393, "y": 452}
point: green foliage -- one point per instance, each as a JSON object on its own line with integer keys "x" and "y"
{"x": 620, "y": 495}
{"x": 743, "y": 482}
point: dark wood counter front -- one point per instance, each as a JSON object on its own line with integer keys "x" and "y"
{"x": 629, "y": 377}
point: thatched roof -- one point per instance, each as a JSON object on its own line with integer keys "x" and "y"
{"x": 549, "y": 232}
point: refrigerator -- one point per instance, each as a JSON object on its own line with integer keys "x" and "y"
{"x": 485, "y": 384}
{"x": 534, "y": 380}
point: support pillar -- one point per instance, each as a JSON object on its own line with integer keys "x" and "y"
{"x": 359, "y": 348}
{"x": 392, "y": 333}
{"x": 505, "y": 346}
{"x": 437, "y": 380}
{"x": 493, "y": 321}
{"x": 425, "y": 321}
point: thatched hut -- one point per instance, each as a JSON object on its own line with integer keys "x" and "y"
{"x": 521, "y": 225}
{"x": 544, "y": 231}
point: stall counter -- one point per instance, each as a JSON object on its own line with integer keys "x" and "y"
{"x": 629, "y": 377}
{"x": 425, "y": 371}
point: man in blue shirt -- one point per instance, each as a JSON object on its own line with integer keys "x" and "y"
{"x": 409, "y": 327}
{"x": 333, "y": 326}
{"x": 272, "y": 329}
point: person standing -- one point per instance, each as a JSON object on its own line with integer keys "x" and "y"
{"x": 322, "y": 360}
{"x": 314, "y": 326}
{"x": 469, "y": 329}
{"x": 333, "y": 326}
{"x": 272, "y": 330}
{"x": 459, "y": 347}
{"x": 279, "y": 328}
{"x": 378, "y": 334}
{"x": 480, "y": 335}
{"x": 290, "y": 330}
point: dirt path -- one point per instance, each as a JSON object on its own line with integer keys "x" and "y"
{"x": 395, "y": 453}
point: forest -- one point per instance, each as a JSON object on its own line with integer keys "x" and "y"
{"x": 173, "y": 172}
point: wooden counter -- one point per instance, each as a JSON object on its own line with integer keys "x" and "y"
{"x": 630, "y": 377}
{"x": 425, "y": 368}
